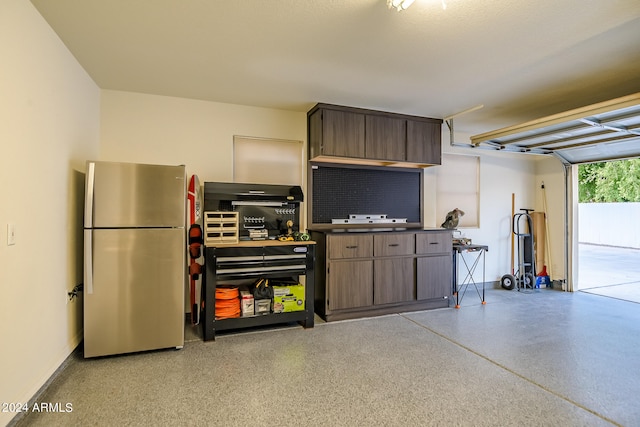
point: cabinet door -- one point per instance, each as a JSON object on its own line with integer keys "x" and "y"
{"x": 424, "y": 142}
{"x": 434, "y": 277}
{"x": 314, "y": 133}
{"x": 394, "y": 280}
{"x": 350, "y": 284}
{"x": 342, "y": 134}
{"x": 385, "y": 138}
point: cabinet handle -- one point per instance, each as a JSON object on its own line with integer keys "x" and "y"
{"x": 393, "y": 245}
{"x": 433, "y": 243}
{"x": 352, "y": 247}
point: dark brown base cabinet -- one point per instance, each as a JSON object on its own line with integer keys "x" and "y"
{"x": 362, "y": 274}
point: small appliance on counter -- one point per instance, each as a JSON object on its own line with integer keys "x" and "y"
{"x": 263, "y": 211}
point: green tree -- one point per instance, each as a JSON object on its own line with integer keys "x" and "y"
{"x": 588, "y": 176}
{"x": 605, "y": 182}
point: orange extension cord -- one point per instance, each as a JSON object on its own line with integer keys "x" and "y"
{"x": 227, "y": 303}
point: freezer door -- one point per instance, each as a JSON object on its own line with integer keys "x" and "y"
{"x": 134, "y": 195}
{"x": 136, "y": 301}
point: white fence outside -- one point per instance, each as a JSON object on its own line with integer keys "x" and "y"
{"x": 610, "y": 224}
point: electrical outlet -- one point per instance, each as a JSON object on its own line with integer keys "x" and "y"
{"x": 11, "y": 234}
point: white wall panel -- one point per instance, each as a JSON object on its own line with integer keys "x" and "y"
{"x": 49, "y": 111}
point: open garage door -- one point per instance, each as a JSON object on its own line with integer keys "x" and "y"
{"x": 604, "y": 131}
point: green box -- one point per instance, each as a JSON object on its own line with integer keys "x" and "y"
{"x": 288, "y": 298}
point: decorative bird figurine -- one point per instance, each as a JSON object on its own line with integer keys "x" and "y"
{"x": 452, "y": 219}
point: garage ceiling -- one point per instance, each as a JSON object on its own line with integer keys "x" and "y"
{"x": 604, "y": 131}
{"x": 521, "y": 60}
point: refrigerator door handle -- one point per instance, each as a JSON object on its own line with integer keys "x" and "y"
{"x": 88, "y": 202}
{"x": 88, "y": 261}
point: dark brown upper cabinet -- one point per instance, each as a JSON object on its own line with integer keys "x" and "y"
{"x": 359, "y": 136}
{"x": 424, "y": 141}
{"x": 337, "y": 133}
{"x": 385, "y": 138}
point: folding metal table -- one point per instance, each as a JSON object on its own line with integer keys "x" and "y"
{"x": 480, "y": 254}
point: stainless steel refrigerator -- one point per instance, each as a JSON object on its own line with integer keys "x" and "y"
{"x": 134, "y": 257}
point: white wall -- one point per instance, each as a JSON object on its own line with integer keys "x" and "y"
{"x": 199, "y": 134}
{"x": 610, "y": 224}
{"x": 501, "y": 175}
{"x": 49, "y": 125}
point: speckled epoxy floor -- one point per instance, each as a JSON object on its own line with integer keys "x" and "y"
{"x": 546, "y": 358}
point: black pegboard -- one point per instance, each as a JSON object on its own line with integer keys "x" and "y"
{"x": 339, "y": 192}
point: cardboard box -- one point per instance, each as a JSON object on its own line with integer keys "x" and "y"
{"x": 288, "y": 298}
{"x": 262, "y": 306}
{"x": 247, "y": 305}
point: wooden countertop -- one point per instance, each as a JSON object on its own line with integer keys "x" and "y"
{"x": 377, "y": 230}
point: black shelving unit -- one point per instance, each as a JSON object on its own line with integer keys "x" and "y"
{"x": 252, "y": 260}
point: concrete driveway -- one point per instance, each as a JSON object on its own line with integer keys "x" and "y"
{"x": 609, "y": 271}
